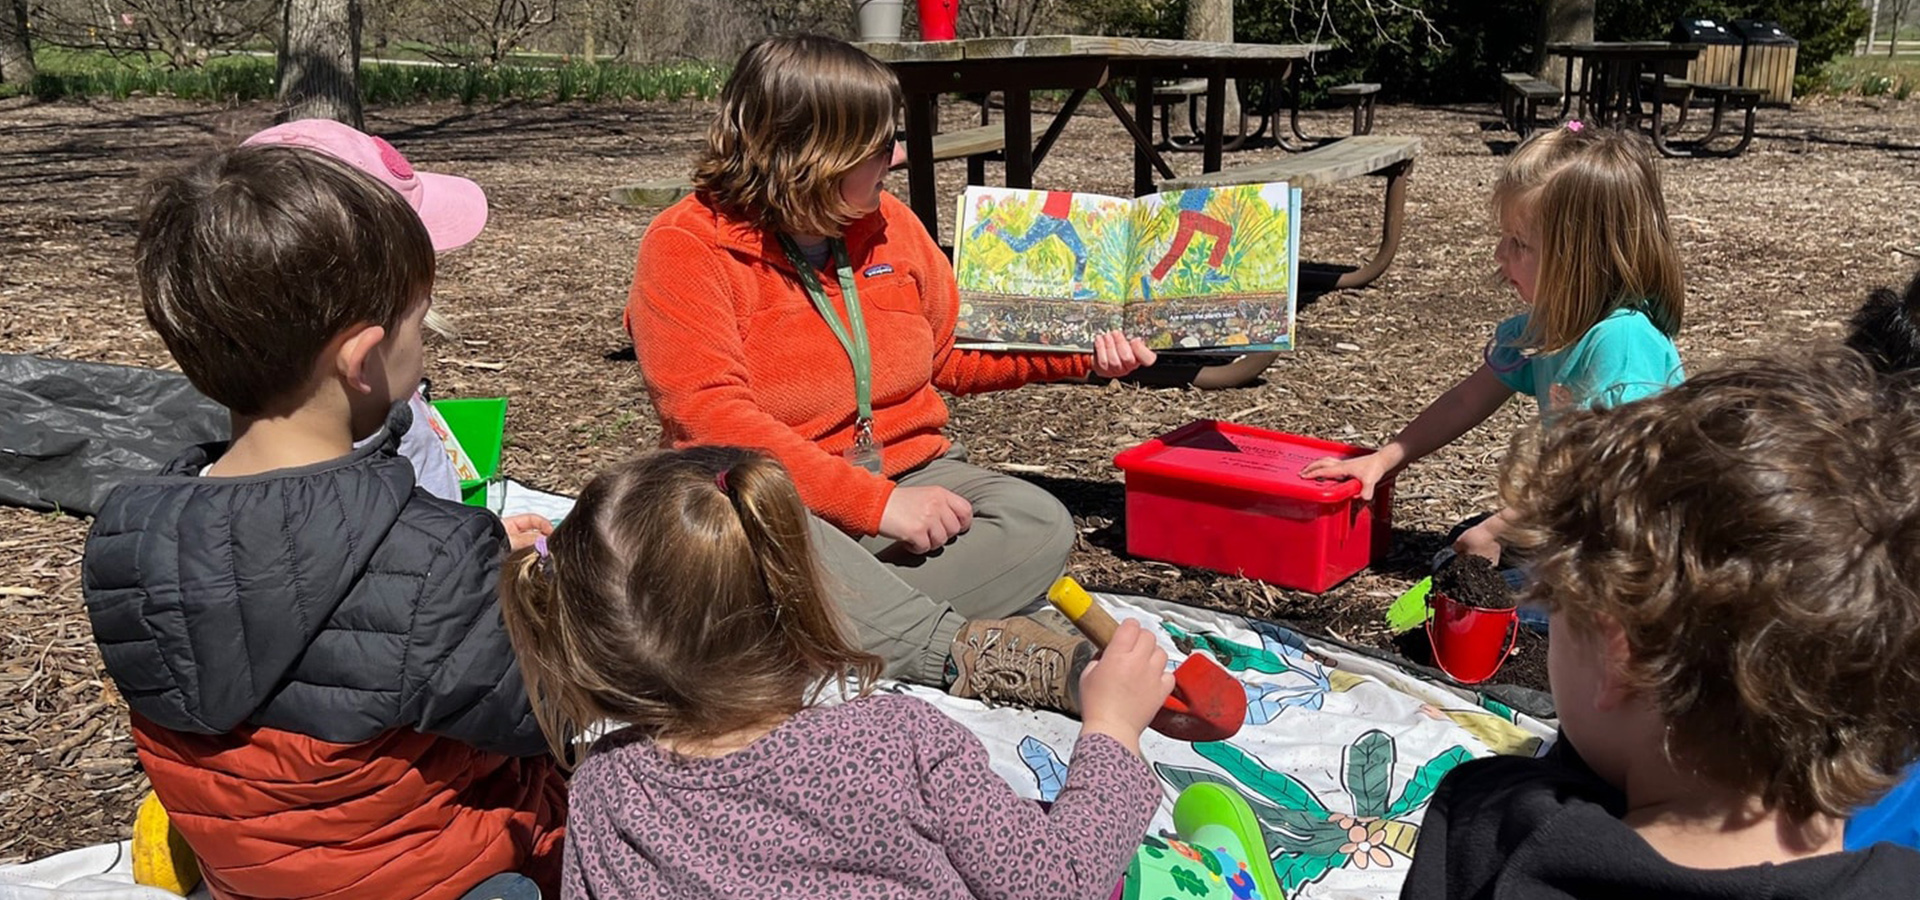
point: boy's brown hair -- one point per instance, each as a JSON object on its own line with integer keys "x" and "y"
{"x": 1594, "y": 196}
{"x": 1755, "y": 532}
{"x": 252, "y": 260}
{"x": 681, "y": 596}
{"x": 798, "y": 113}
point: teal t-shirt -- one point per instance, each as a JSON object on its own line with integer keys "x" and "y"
{"x": 1620, "y": 359}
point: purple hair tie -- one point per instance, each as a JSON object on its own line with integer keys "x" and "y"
{"x": 1574, "y": 125}
{"x": 720, "y": 480}
{"x": 540, "y": 547}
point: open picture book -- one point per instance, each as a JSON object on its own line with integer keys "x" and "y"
{"x": 1191, "y": 269}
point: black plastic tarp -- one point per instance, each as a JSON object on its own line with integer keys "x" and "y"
{"x": 70, "y": 431}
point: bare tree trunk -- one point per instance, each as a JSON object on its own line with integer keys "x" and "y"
{"x": 320, "y": 61}
{"x": 1212, "y": 20}
{"x": 589, "y": 13}
{"x": 660, "y": 30}
{"x": 1561, "y": 20}
{"x": 16, "y": 53}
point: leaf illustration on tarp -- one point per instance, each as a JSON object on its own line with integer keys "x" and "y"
{"x": 1497, "y": 708}
{"x": 1270, "y": 817}
{"x": 1232, "y": 655}
{"x": 1298, "y": 870}
{"x": 1369, "y": 774}
{"x": 1280, "y": 789}
{"x": 1420, "y": 787}
{"x": 1049, "y": 773}
{"x": 1276, "y": 637}
{"x": 1265, "y": 702}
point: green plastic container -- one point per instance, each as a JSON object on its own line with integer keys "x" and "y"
{"x": 481, "y": 425}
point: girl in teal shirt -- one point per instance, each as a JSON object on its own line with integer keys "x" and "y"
{"x": 1584, "y": 241}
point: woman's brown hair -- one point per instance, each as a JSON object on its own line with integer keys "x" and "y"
{"x": 798, "y": 113}
{"x": 1594, "y": 198}
{"x": 681, "y": 596}
{"x": 1755, "y": 534}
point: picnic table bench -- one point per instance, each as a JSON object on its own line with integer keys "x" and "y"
{"x": 1360, "y": 96}
{"x": 1662, "y": 90}
{"x": 1521, "y": 96}
{"x": 1385, "y": 155}
{"x": 975, "y": 145}
{"x": 1370, "y": 154}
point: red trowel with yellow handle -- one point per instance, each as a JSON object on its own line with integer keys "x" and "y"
{"x": 1207, "y": 704}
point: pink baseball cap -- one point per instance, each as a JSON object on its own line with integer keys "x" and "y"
{"x": 454, "y": 209}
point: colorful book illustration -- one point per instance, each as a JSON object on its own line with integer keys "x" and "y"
{"x": 1192, "y": 269}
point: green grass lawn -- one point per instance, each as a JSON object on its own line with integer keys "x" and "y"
{"x": 1868, "y": 76}
{"x": 240, "y": 78}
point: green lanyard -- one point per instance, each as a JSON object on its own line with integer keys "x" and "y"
{"x": 853, "y": 339}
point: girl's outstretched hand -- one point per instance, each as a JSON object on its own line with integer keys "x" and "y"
{"x": 1122, "y": 690}
{"x": 525, "y": 528}
{"x": 1368, "y": 470}
{"x": 1114, "y": 355}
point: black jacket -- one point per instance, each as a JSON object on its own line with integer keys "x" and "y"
{"x": 333, "y": 600}
{"x": 1550, "y": 829}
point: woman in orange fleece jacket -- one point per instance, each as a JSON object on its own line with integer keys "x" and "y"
{"x": 793, "y": 306}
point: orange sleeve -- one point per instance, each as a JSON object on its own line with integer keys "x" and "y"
{"x": 686, "y": 335}
{"x": 960, "y": 371}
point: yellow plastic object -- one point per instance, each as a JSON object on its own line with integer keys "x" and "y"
{"x": 161, "y": 857}
{"x": 1070, "y": 598}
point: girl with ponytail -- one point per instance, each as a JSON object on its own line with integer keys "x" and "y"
{"x": 682, "y": 600}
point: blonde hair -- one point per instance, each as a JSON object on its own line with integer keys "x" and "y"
{"x": 681, "y": 596}
{"x": 798, "y": 113}
{"x": 1755, "y": 533}
{"x": 1604, "y": 241}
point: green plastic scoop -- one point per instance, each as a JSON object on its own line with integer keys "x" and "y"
{"x": 1410, "y": 610}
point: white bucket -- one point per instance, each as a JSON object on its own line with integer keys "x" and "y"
{"x": 879, "y": 19}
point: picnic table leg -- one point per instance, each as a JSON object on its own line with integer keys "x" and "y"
{"x": 920, "y": 193}
{"x": 1216, "y": 120}
{"x": 1145, "y": 158}
{"x": 1660, "y": 142}
{"x": 1292, "y": 79}
{"x": 1058, "y": 125}
{"x": 1395, "y": 222}
{"x": 1019, "y": 125}
{"x": 1567, "y": 88}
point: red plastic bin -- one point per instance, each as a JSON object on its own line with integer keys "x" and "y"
{"x": 1230, "y": 498}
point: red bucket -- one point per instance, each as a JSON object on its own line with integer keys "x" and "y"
{"x": 1470, "y": 643}
{"x": 937, "y": 19}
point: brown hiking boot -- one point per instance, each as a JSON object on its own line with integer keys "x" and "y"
{"x": 1019, "y": 660}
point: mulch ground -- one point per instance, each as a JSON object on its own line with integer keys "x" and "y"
{"x": 1780, "y": 245}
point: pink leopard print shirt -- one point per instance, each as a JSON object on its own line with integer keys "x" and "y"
{"x": 879, "y": 797}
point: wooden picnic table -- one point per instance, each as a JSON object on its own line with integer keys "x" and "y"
{"x": 1080, "y": 64}
{"x": 1610, "y": 88}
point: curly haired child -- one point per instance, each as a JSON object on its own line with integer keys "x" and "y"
{"x": 683, "y": 599}
{"x": 1731, "y": 570}
{"x": 1886, "y": 329}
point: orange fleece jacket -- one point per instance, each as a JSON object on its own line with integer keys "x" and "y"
{"x": 733, "y": 352}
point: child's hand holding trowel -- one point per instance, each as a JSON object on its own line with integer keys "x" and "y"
{"x": 1121, "y": 692}
{"x": 1207, "y": 703}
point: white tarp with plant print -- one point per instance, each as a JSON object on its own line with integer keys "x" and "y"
{"x": 1338, "y": 757}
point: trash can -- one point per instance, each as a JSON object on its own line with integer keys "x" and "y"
{"x": 1719, "y": 59}
{"x": 1767, "y": 60}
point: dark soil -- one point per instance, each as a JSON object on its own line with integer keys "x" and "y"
{"x": 1780, "y": 245}
{"x": 1474, "y": 581}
